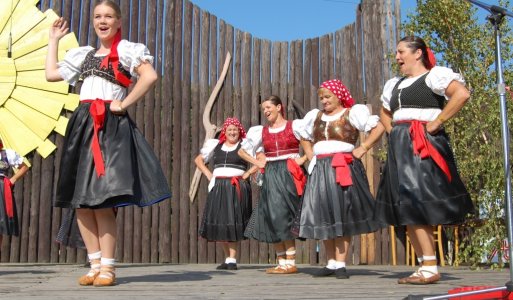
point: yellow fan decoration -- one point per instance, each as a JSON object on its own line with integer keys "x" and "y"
{"x": 30, "y": 107}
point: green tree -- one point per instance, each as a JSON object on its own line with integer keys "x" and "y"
{"x": 451, "y": 28}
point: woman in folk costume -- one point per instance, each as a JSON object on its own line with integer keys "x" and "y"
{"x": 283, "y": 182}
{"x": 228, "y": 206}
{"x": 8, "y": 214}
{"x": 106, "y": 162}
{"x": 337, "y": 203}
{"x": 420, "y": 186}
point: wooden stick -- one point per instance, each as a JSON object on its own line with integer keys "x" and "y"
{"x": 210, "y": 129}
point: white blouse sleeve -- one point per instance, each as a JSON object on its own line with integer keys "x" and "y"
{"x": 439, "y": 79}
{"x": 208, "y": 149}
{"x": 69, "y": 68}
{"x": 304, "y": 127}
{"x": 361, "y": 119}
{"x": 131, "y": 55}
{"x": 253, "y": 140}
{"x": 387, "y": 92}
{"x": 13, "y": 158}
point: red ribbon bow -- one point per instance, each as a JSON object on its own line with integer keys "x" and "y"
{"x": 298, "y": 176}
{"x": 113, "y": 57}
{"x": 340, "y": 162}
{"x": 431, "y": 58}
{"x": 423, "y": 148}
{"x": 9, "y": 207}
{"x": 236, "y": 183}
{"x": 97, "y": 111}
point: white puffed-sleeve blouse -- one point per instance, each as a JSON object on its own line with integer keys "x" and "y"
{"x": 131, "y": 55}
{"x": 437, "y": 80}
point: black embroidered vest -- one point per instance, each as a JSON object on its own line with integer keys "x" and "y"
{"x": 91, "y": 67}
{"x": 4, "y": 164}
{"x": 230, "y": 159}
{"x": 417, "y": 95}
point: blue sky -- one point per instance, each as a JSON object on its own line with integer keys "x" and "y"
{"x": 285, "y": 20}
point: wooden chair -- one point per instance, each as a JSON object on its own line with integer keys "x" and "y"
{"x": 393, "y": 245}
{"x": 456, "y": 246}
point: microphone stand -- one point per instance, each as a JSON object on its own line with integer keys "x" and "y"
{"x": 496, "y": 18}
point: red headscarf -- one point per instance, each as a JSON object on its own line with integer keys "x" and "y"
{"x": 339, "y": 89}
{"x": 431, "y": 58}
{"x": 114, "y": 59}
{"x": 236, "y": 123}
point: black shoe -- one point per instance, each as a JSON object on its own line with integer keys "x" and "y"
{"x": 324, "y": 272}
{"x": 341, "y": 273}
{"x": 225, "y": 266}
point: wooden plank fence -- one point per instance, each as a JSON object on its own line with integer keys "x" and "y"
{"x": 189, "y": 45}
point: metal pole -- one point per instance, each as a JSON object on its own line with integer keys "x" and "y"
{"x": 496, "y": 20}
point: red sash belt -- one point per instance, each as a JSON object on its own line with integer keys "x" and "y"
{"x": 298, "y": 175}
{"x": 9, "y": 207}
{"x": 97, "y": 111}
{"x": 423, "y": 148}
{"x": 340, "y": 163}
{"x": 235, "y": 182}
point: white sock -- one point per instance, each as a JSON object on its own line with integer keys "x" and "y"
{"x": 431, "y": 270}
{"x": 291, "y": 262}
{"x": 420, "y": 260}
{"x": 108, "y": 261}
{"x": 331, "y": 264}
{"x": 96, "y": 266}
{"x": 340, "y": 264}
{"x": 282, "y": 262}
{"x": 94, "y": 256}
{"x": 230, "y": 260}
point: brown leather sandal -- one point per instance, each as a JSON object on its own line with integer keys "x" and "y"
{"x": 404, "y": 280}
{"x": 106, "y": 277}
{"x": 421, "y": 279}
{"x": 280, "y": 269}
{"x": 273, "y": 270}
{"x": 89, "y": 278}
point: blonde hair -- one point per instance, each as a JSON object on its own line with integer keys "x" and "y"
{"x": 110, "y": 4}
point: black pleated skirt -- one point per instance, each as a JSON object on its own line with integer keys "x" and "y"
{"x": 8, "y": 226}
{"x": 226, "y": 215}
{"x": 415, "y": 191}
{"x": 330, "y": 210}
{"x": 133, "y": 175}
{"x": 277, "y": 207}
